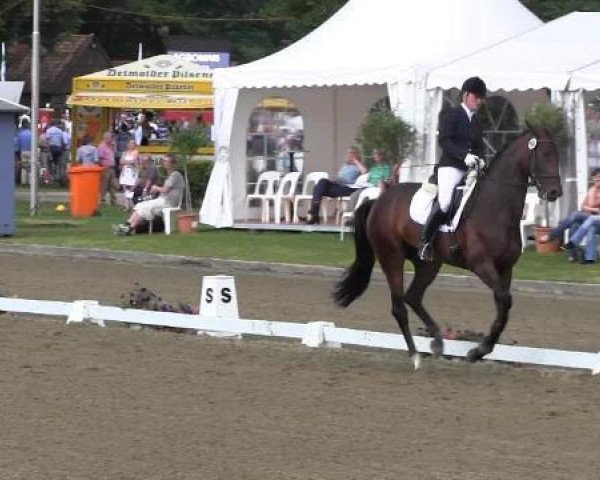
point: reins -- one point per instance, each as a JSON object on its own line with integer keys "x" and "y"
{"x": 533, "y": 179}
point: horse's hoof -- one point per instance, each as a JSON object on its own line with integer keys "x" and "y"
{"x": 416, "y": 359}
{"x": 474, "y": 355}
{"x": 437, "y": 347}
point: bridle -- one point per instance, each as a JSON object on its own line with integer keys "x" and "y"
{"x": 534, "y": 177}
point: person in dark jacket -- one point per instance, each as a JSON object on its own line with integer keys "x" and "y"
{"x": 461, "y": 140}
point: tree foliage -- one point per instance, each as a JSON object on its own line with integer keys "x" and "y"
{"x": 56, "y": 19}
{"x": 184, "y": 143}
{"x": 548, "y": 10}
{"x": 382, "y": 130}
{"x": 551, "y": 117}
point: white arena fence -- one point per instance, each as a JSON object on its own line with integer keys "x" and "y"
{"x": 312, "y": 334}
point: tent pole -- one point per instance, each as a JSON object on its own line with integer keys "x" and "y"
{"x": 35, "y": 100}
{"x": 334, "y": 104}
{"x": 581, "y": 165}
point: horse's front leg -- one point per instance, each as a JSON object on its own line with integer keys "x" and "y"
{"x": 499, "y": 282}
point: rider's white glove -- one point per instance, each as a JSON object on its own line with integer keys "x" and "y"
{"x": 472, "y": 161}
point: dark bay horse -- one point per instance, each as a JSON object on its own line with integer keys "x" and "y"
{"x": 487, "y": 241}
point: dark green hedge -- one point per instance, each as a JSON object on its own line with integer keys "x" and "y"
{"x": 199, "y": 173}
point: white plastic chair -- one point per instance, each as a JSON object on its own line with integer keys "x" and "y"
{"x": 367, "y": 194}
{"x": 342, "y": 202}
{"x": 167, "y": 213}
{"x": 265, "y": 186}
{"x": 283, "y": 197}
{"x": 310, "y": 181}
{"x": 532, "y": 200}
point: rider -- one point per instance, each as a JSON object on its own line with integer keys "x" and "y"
{"x": 461, "y": 141}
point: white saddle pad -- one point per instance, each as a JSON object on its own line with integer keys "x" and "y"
{"x": 421, "y": 203}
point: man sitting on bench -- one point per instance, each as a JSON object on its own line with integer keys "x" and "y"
{"x": 171, "y": 194}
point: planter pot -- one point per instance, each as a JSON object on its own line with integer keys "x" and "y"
{"x": 187, "y": 222}
{"x": 549, "y": 247}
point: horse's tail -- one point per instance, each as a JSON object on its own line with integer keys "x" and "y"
{"x": 356, "y": 277}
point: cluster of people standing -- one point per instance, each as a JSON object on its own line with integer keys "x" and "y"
{"x": 123, "y": 167}
{"x": 54, "y": 144}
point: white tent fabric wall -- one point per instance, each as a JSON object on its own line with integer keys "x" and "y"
{"x": 330, "y": 115}
{"x": 217, "y": 207}
{"x": 366, "y": 43}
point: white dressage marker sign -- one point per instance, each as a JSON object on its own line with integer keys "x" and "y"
{"x": 219, "y": 297}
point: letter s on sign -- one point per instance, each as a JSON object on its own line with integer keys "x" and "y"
{"x": 226, "y": 295}
{"x": 209, "y": 295}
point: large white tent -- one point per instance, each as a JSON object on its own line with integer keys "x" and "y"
{"x": 368, "y": 50}
{"x": 552, "y": 56}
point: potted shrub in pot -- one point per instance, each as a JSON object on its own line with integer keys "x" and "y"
{"x": 184, "y": 144}
{"x": 545, "y": 115}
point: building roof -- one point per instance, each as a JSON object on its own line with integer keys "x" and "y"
{"x": 68, "y": 59}
{"x": 8, "y": 106}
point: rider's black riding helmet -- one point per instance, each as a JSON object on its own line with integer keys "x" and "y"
{"x": 474, "y": 85}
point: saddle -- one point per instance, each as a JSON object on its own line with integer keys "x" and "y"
{"x": 424, "y": 198}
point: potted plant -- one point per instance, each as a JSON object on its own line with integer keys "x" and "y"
{"x": 381, "y": 129}
{"x": 545, "y": 115}
{"x": 184, "y": 144}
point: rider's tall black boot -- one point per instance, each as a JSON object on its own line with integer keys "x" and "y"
{"x": 435, "y": 219}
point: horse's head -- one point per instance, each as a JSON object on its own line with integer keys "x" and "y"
{"x": 542, "y": 163}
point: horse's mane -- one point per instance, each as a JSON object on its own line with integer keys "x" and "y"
{"x": 504, "y": 148}
{"x": 489, "y": 171}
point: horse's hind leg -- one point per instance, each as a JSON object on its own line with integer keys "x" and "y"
{"x": 425, "y": 273}
{"x": 499, "y": 282}
{"x": 392, "y": 264}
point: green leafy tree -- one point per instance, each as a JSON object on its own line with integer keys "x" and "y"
{"x": 382, "y": 130}
{"x": 184, "y": 144}
{"x": 551, "y": 117}
{"x": 548, "y": 10}
{"x": 56, "y": 19}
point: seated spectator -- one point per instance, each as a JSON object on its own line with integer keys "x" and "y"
{"x": 379, "y": 173}
{"x": 170, "y": 195}
{"x": 590, "y": 206}
{"x": 342, "y": 186}
{"x": 87, "y": 154}
{"x": 588, "y": 230}
{"x": 147, "y": 176}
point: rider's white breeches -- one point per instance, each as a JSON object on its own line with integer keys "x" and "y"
{"x": 448, "y": 178}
